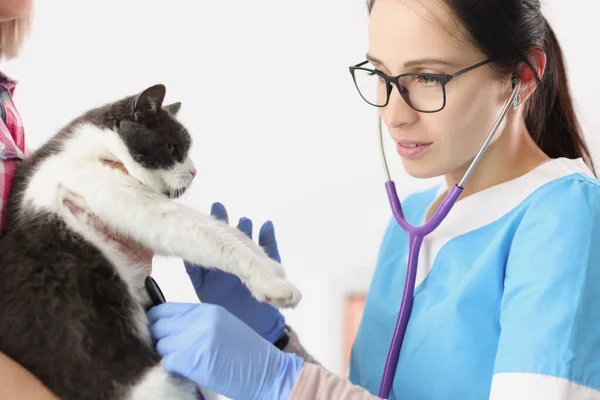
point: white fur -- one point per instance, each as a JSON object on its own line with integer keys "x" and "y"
{"x": 159, "y": 384}
{"x": 135, "y": 205}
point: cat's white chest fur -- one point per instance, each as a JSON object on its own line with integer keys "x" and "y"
{"x": 78, "y": 168}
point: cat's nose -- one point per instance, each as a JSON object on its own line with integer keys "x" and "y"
{"x": 193, "y": 172}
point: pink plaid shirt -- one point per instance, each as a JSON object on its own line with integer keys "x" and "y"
{"x": 12, "y": 141}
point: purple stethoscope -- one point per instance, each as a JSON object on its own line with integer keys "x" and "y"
{"x": 416, "y": 234}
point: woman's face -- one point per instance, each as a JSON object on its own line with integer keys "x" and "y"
{"x": 13, "y": 9}
{"x": 421, "y": 36}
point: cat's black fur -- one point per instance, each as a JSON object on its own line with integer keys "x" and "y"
{"x": 65, "y": 313}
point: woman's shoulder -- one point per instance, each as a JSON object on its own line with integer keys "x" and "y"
{"x": 576, "y": 193}
{"x": 555, "y": 232}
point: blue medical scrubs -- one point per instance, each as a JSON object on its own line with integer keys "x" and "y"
{"x": 507, "y": 302}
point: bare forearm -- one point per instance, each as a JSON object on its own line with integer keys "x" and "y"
{"x": 16, "y": 383}
{"x": 316, "y": 383}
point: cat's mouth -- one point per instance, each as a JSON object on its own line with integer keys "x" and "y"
{"x": 174, "y": 193}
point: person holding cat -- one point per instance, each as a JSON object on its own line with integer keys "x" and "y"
{"x": 506, "y": 301}
{"x": 15, "y": 381}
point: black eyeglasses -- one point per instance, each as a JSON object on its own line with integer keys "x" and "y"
{"x": 422, "y": 92}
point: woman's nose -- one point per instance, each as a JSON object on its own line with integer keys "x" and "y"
{"x": 397, "y": 112}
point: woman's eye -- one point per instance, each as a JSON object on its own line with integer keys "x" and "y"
{"x": 428, "y": 80}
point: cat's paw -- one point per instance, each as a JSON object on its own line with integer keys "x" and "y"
{"x": 274, "y": 290}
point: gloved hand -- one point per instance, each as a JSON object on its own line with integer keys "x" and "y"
{"x": 217, "y": 287}
{"x": 209, "y": 346}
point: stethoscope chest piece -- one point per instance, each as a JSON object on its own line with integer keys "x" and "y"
{"x": 154, "y": 292}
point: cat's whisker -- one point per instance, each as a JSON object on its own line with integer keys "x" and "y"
{"x": 177, "y": 186}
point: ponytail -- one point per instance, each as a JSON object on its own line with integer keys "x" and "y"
{"x": 550, "y": 117}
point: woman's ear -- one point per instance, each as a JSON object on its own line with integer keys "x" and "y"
{"x": 537, "y": 58}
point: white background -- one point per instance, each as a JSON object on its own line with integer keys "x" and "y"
{"x": 280, "y": 132}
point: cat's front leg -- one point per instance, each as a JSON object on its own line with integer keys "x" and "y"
{"x": 173, "y": 229}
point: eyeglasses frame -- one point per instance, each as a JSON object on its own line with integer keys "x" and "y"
{"x": 443, "y": 78}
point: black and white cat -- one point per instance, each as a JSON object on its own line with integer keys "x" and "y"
{"x": 71, "y": 306}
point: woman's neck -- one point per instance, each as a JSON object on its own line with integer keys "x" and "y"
{"x": 513, "y": 154}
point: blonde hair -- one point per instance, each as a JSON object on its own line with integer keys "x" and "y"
{"x": 12, "y": 36}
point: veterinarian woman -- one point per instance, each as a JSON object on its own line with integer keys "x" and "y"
{"x": 506, "y": 303}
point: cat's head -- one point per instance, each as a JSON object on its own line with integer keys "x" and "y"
{"x": 157, "y": 143}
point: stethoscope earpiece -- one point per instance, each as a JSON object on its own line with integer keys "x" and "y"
{"x": 515, "y": 80}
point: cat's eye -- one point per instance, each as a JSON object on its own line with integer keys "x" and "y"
{"x": 171, "y": 148}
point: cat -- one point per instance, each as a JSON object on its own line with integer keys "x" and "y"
{"x": 72, "y": 308}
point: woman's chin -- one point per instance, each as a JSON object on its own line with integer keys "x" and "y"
{"x": 421, "y": 169}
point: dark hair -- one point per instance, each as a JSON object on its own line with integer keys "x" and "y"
{"x": 506, "y": 30}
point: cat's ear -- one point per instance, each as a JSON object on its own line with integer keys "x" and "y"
{"x": 149, "y": 101}
{"x": 172, "y": 109}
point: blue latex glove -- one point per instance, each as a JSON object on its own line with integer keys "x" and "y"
{"x": 217, "y": 287}
{"x": 211, "y": 347}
